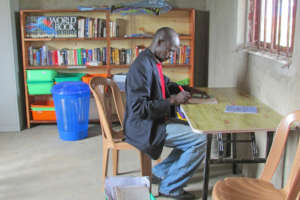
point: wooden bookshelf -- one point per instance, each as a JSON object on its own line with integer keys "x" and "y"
{"x": 182, "y": 20}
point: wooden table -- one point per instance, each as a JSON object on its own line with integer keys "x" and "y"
{"x": 211, "y": 119}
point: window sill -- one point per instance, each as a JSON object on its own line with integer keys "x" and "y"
{"x": 284, "y": 60}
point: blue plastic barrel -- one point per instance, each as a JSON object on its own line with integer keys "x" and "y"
{"x": 71, "y": 100}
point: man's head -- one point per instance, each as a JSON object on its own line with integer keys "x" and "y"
{"x": 165, "y": 41}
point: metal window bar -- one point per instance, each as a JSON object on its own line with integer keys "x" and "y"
{"x": 265, "y": 24}
{"x": 279, "y": 26}
{"x": 257, "y": 17}
{"x": 293, "y": 26}
{"x": 274, "y": 23}
{"x": 288, "y": 29}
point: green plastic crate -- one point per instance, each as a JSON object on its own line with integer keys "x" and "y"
{"x": 43, "y": 109}
{"x": 62, "y": 77}
{"x": 36, "y": 88}
{"x": 183, "y": 82}
{"x": 40, "y": 75}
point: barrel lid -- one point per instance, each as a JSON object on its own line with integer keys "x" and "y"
{"x": 70, "y": 88}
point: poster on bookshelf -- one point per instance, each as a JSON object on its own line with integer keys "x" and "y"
{"x": 51, "y": 26}
{"x": 72, "y": 27}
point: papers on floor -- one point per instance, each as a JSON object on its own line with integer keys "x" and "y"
{"x": 120, "y": 79}
{"x": 127, "y": 188}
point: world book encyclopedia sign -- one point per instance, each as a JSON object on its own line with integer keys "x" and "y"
{"x": 51, "y": 26}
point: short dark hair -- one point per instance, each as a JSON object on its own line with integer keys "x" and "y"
{"x": 164, "y": 33}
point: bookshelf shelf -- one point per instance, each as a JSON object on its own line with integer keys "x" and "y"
{"x": 54, "y": 122}
{"x": 147, "y": 38}
{"x": 60, "y": 39}
{"x": 42, "y": 121}
{"x": 164, "y": 66}
{"x": 67, "y": 67}
{"x": 131, "y": 38}
{"x": 99, "y": 32}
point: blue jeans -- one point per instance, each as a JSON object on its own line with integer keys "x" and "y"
{"x": 187, "y": 154}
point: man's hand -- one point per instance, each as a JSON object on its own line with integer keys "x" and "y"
{"x": 199, "y": 93}
{"x": 180, "y": 98}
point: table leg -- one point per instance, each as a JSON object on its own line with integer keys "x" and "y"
{"x": 206, "y": 168}
{"x": 253, "y": 145}
{"x": 234, "y": 154}
{"x": 220, "y": 145}
{"x": 270, "y": 135}
{"x": 228, "y": 144}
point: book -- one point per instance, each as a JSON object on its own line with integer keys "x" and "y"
{"x": 121, "y": 27}
{"x": 241, "y": 109}
{"x": 210, "y": 100}
{"x": 202, "y": 98}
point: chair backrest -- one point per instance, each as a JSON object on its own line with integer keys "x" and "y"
{"x": 119, "y": 103}
{"x": 101, "y": 89}
{"x": 293, "y": 184}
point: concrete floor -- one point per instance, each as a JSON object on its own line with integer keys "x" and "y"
{"x": 36, "y": 165}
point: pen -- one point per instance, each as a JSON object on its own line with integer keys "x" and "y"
{"x": 180, "y": 87}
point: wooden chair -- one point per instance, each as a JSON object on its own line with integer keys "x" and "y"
{"x": 113, "y": 140}
{"x": 262, "y": 188}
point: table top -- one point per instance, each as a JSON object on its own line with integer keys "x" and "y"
{"x": 211, "y": 118}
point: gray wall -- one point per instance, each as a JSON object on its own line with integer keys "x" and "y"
{"x": 68, "y": 4}
{"x": 268, "y": 80}
{"x": 10, "y": 101}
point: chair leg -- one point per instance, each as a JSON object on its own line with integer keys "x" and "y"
{"x": 146, "y": 165}
{"x": 104, "y": 161}
{"x": 115, "y": 158}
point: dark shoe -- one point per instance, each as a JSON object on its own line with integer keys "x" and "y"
{"x": 184, "y": 196}
{"x": 155, "y": 179}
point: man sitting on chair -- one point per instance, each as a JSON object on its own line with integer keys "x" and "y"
{"x": 150, "y": 117}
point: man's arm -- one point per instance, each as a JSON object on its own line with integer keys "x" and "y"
{"x": 138, "y": 88}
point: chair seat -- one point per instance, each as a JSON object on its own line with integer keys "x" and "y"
{"x": 246, "y": 189}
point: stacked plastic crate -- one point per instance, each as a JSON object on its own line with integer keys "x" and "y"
{"x": 39, "y": 84}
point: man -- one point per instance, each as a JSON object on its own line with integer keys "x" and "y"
{"x": 150, "y": 102}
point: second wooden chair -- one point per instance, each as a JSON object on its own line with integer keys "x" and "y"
{"x": 262, "y": 188}
{"x": 102, "y": 90}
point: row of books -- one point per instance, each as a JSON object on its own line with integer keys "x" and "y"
{"x": 47, "y": 57}
{"x": 91, "y": 27}
{"x": 44, "y": 56}
{"x": 121, "y": 56}
{"x": 72, "y": 27}
{"x": 182, "y": 56}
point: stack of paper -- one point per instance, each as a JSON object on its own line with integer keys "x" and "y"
{"x": 241, "y": 109}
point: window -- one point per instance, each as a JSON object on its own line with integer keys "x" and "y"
{"x": 272, "y": 25}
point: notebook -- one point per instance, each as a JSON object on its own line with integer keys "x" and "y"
{"x": 241, "y": 109}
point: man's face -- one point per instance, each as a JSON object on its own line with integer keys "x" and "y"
{"x": 165, "y": 48}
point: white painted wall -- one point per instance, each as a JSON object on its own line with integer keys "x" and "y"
{"x": 276, "y": 86}
{"x": 10, "y": 102}
{"x": 226, "y": 65}
{"x": 68, "y": 4}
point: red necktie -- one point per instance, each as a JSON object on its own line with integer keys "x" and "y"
{"x": 162, "y": 80}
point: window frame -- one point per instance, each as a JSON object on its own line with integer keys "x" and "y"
{"x": 254, "y": 24}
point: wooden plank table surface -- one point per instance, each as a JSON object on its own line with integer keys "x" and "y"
{"x": 212, "y": 119}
